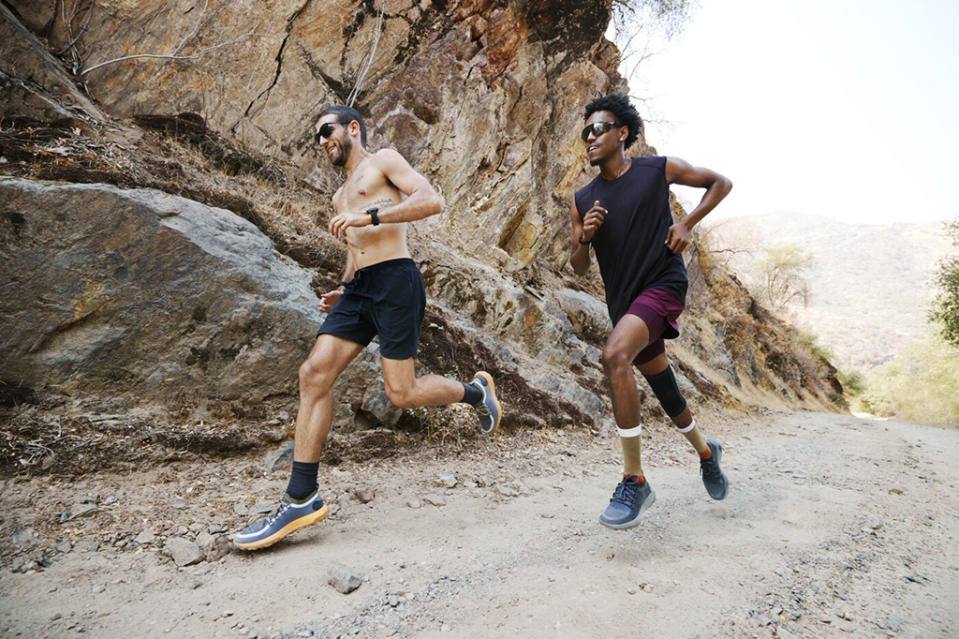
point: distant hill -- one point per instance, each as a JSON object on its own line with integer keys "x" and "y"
{"x": 871, "y": 284}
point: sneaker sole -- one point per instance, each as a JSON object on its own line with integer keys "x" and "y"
{"x": 492, "y": 392}
{"x": 635, "y": 520}
{"x": 288, "y": 529}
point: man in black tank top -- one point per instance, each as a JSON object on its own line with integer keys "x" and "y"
{"x": 624, "y": 215}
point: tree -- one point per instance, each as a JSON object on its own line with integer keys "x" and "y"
{"x": 642, "y": 26}
{"x": 781, "y": 275}
{"x": 945, "y": 309}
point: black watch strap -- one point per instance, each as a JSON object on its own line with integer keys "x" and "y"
{"x": 581, "y": 239}
{"x": 374, "y": 215}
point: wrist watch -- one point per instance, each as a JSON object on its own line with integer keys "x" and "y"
{"x": 581, "y": 239}
{"x": 374, "y": 215}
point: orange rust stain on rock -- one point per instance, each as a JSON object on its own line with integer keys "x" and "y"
{"x": 506, "y": 34}
{"x": 529, "y": 321}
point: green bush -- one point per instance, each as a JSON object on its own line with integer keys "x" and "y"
{"x": 919, "y": 385}
{"x": 853, "y": 382}
{"x": 810, "y": 343}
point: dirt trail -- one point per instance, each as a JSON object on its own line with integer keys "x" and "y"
{"x": 834, "y": 526}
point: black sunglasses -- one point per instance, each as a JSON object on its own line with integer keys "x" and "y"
{"x": 598, "y": 128}
{"x": 326, "y": 129}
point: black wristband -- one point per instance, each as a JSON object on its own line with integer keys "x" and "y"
{"x": 374, "y": 215}
{"x": 581, "y": 239}
{"x": 342, "y": 283}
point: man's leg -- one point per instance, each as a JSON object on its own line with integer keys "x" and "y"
{"x": 633, "y": 495}
{"x": 662, "y": 381}
{"x": 406, "y": 390}
{"x": 302, "y": 505}
{"x": 628, "y": 338}
{"x": 329, "y": 357}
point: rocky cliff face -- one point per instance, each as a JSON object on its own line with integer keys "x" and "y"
{"x": 484, "y": 97}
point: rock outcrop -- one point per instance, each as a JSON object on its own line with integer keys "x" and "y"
{"x": 195, "y": 291}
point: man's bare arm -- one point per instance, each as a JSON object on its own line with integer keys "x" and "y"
{"x": 329, "y": 299}
{"x": 421, "y": 199}
{"x": 717, "y": 187}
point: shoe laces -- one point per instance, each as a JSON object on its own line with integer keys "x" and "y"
{"x": 279, "y": 510}
{"x": 481, "y": 407}
{"x": 625, "y": 492}
{"x": 709, "y": 468}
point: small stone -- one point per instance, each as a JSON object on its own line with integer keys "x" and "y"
{"x": 414, "y": 503}
{"x": 364, "y": 495}
{"x": 56, "y": 616}
{"x": 64, "y": 546}
{"x": 179, "y": 503}
{"x": 99, "y": 589}
{"x": 446, "y": 481}
{"x": 647, "y": 587}
{"x": 263, "y": 508}
{"x": 204, "y": 540}
{"x": 343, "y": 579}
{"x": 507, "y": 491}
{"x": 182, "y": 551}
{"x": 435, "y": 500}
{"x": 282, "y": 458}
{"x": 241, "y": 509}
{"x": 82, "y": 511}
{"x": 145, "y": 537}
{"x": 24, "y": 535}
{"x": 221, "y": 547}
{"x": 896, "y": 491}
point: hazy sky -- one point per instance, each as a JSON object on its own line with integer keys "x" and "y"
{"x": 841, "y": 108}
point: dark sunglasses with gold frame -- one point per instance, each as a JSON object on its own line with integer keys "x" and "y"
{"x": 326, "y": 129}
{"x": 597, "y": 128}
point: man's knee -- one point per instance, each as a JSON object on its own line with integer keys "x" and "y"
{"x": 401, "y": 397}
{"x": 615, "y": 359}
{"x": 666, "y": 390}
{"x": 315, "y": 375}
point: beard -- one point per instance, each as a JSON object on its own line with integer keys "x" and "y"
{"x": 342, "y": 151}
{"x": 596, "y": 161}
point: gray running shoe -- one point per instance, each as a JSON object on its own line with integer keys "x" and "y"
{"x": 287, "y": 518}
{"x": 488, "y": 409}
{"x": 629, "y": 502}
{"x": 713, "y": 477}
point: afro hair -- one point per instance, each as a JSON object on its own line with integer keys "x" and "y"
{"x": 625, "y": 112}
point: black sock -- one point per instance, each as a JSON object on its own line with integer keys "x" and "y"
{"x": 302, "y": 479}
{"x": 471, "y": 394}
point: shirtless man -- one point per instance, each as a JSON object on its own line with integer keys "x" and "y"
{"x": 624, "y": 215}
{"x": 381, "y": 293}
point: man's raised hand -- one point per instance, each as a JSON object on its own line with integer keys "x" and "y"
{"x": 593, "y": 219}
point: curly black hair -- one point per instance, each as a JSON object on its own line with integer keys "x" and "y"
{"x": 625, "y": 112}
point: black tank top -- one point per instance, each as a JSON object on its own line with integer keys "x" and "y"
{"x": 630, "y": 245}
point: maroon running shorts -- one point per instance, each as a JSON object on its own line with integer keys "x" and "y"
{"x": 659, "y": 310}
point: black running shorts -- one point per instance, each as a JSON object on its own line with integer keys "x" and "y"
{"x": 386, "y": 299}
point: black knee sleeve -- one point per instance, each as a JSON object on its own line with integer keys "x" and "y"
{"x": 667, "y": 392}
